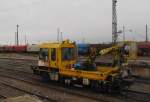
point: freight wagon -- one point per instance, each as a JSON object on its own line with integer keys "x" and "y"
{"x": 34, "y": 48}
{"x": 144, "y": 48}
{"x": 13, "y": 48}
{"x": 21, "y": 48}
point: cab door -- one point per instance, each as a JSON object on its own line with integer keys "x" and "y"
{"x": 43, "y": 57}
{"x": 53, "y": 58}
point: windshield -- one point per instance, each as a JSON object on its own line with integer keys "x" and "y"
{"x": 68, "y": 54}
{"x": 43, "y": 54}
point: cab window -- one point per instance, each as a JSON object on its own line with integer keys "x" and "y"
{"x": 53, "y": 54}
{"x": 43, "y": 54}
{"x": 68, "y": 53}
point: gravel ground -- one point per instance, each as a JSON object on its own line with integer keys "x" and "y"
{"x": 23, "y": 98}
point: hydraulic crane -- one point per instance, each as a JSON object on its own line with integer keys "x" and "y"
{"x": 121, "y": 53}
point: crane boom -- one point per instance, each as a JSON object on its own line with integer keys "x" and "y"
{"x": 107, "y": 50}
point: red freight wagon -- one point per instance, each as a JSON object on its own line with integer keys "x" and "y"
{"x": 20, "y": 48}
{"x": 144, "y": 48}
{"x": 144, "y": 45}
{"x": 8, "y": 48}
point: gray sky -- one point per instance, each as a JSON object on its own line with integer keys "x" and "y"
{"x": 77, "y": 19}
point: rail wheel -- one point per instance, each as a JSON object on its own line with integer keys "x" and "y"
{"x": 45, "y": 76}
{"x": 68, "y": 81}
{"x": 109, "y": 87}
{"x": 61, "y": 79}
{"x": 36, "y": 72}
{"x": 94, "y": 85}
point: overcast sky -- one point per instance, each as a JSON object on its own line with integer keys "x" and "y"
{"x": 77, "y": 19}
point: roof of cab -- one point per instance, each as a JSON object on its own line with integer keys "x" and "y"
{"x": 56, "y": 45}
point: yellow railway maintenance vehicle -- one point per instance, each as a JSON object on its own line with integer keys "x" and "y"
{"x": 58, "y": 62}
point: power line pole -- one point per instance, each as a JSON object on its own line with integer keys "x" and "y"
{"x": 17, "y": 37}
{"x": 146, "y": 40}
{"x": 61, "y": 36}
{"x": 123, "y": 33}
{"x": 58, "y": 31}
{"x": 114, "y": 22}
{"x": 25, "y": 39}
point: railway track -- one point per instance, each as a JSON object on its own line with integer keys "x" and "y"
{"x": 15, "y": 58}
{"x": 81, "y": 94}
{"x": 28, "y": 92}
{"x": 137, "y": 92}
{"x": 2, "y": 96}
{"x": 138, "y": 96}
{"x": 142, "y": 80}
{"x": 21, "y": 74}
{"x": 45, "y": 86}
{"x": 15, "y": 70}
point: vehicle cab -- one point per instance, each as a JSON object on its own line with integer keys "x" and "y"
{"x": 57, "y": 55}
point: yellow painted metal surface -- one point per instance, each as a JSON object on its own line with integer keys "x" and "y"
{"x": 100, "y": 74}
